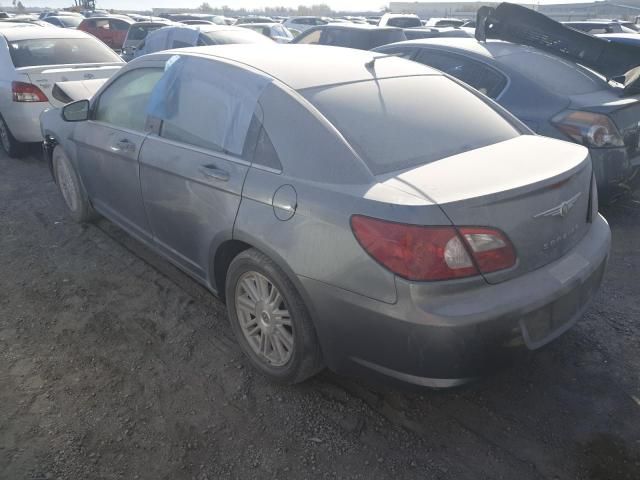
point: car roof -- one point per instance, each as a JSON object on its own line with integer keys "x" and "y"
{"x": 33, "y": 32}
{"x": 307, "y": 66}
{"x": 490, "y": 48}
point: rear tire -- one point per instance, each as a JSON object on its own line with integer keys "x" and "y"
{"x": 74, "y": 195}
{"x": 10, "y": 145}
{"x": 270, "y": 320}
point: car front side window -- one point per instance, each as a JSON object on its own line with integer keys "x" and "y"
{"x": 123, "y": 104}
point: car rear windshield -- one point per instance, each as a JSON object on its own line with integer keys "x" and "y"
{"x": 398, "y": 123}
{"x": 232, "y": 36}
{"x": 364, "y": 39}
{"x": 404, "y": 22}
{"x": 554, "y": 74}
{"x": 59, "y": 51}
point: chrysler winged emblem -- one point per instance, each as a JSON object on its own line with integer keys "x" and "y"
{"x": 561, "y": 210}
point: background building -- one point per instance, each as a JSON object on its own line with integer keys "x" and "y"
{"x": 567, "y": 11}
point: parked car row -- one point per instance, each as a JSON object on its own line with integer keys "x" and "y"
{"x": 417, "y": 212}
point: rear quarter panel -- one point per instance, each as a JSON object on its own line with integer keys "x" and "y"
{"x": 331, "y": 184}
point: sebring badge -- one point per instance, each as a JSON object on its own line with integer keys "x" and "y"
{"x": 561, "y": 210}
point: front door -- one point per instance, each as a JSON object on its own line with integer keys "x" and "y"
{"x": 108, "y": 148}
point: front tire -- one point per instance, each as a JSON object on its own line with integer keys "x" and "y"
{"x": 75, "y": 198}
{"x": 10, "y": 145}
{"x": 270, "y": 321}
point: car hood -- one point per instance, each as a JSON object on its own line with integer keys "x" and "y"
{"x": 517, "y": 24}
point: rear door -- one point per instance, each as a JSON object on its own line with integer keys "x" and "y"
{"x": 194, "y": 165}
{"x": 108, "y": 146}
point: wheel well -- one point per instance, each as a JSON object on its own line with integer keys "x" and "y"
{"x": 48, "y": 146}
{"x": 224, "y": 256}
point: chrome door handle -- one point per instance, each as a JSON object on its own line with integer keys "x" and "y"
{"x": 211, "y": 171}
{"x": 124, "y": 145}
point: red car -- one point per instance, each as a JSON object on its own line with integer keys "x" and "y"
{"x": 111, "y": 30}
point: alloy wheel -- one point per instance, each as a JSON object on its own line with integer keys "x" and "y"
{"x": 67, "y": 185}
{"x": 264, "y": 319}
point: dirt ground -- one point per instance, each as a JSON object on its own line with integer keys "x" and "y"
{"x": 115, "y": 365}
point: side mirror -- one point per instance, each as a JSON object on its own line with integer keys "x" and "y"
{"x": 76, "y": 111}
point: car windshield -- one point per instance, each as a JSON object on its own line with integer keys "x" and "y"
{"x": 404, "y": 22}
{"x": 232, "y": 36}
{"x": 554, "y": 74}
{"x": 433, "y": 118}
{"x": 59, "y": 51}
{"x": 69, "y": 21}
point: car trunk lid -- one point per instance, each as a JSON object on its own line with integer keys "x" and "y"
{"x": 534, "y": 189}
{"x": 519, "y": 24}
{"x": 46, "y": 77}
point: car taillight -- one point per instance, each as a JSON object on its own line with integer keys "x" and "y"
{"x": 491, "y": 249}
{"x": 425, "y": 253}
{"x": 590, "y": 129}
{"x": 27, "y": 92}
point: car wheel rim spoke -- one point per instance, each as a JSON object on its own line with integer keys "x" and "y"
{"x": 264, "y": 319}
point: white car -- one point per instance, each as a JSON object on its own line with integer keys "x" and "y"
{"x": 400, "y": 20}
{"x": 304, "y": 23}
{"x": 42, "y": 67}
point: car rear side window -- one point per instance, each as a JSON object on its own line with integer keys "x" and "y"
{"x": 206, "y": 104}
{"x": 432, "y": 118}
{"x": 481, "y": 77}
{"x": 265, "y": 153}
{"x": 60, "y": 51}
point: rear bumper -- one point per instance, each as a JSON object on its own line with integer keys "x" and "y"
{"x": 439, "y": 336}
{"x": 23, "y": 120}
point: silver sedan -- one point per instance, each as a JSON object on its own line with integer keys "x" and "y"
{"x": 354, "y": 210}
